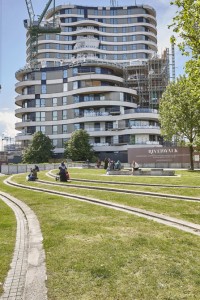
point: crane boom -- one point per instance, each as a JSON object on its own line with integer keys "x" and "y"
{"x": 30, "y": 10}
{"x": 44, "y": 12}
{"x": 35, "y": 28}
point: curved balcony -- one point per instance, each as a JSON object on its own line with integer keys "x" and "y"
{"x": 26, "y": 83}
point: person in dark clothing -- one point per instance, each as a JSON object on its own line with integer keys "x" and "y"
{"x": 63, "y": 172}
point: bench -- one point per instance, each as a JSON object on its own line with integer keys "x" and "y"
{"x": 87, "y": 166}
{"x": 151, "y": 172}
{"x": 119, "y": 172}
{"x": 155, "y": 172}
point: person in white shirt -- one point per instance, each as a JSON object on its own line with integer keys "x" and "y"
{"x": 135, "y": 166}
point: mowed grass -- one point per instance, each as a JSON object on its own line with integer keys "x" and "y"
{"x": 7, "y": 239}
{"x": 98, "y": 253}
{"x": 181, "y": 209}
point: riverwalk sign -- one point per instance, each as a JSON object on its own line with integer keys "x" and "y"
{"x": 161, "y": 154}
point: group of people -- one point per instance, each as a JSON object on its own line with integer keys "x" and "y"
{"x": 112, "y": 165}
{"x": 64, "y": 174}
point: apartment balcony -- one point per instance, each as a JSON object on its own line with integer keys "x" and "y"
{"x": 86, "y": 42}
{"x": 86, "y": 29}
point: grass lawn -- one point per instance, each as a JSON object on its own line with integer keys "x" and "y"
{"x": 7, "y": 239}
{"x": 97, "y": 253}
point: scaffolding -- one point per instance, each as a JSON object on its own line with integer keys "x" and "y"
{"x": 149, "y": 78}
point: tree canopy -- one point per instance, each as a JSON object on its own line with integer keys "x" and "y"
{"x": 186, "y": 24}
{"x": 40, "y": 149}
{"x": 180, "y": 113}
{"x": 78, "y": 147}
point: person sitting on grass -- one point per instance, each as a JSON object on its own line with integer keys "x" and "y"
{"x": 62, "y": 172}
{"x": 135, "y": 166}
{"x": 33, "y": 175}
{"x": 118, "y": 165}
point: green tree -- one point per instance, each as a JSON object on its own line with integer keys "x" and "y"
{"x": 186, "y": 24}
{"x": 40, "y": 149}
{"x": 180, "y": 113}
{"x": 78, "y": 147}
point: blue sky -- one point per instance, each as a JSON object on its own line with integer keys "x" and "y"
{"x": 13, "y": 40}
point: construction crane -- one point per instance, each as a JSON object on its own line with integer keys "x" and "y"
{"x": 36, "y": 27}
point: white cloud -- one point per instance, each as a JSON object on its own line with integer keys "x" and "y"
{"x": 7, "y": 123}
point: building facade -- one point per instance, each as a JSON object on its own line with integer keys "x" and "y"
{"x": 86, "y": 77}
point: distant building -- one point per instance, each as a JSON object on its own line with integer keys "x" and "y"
{"x": 101, "y": 74}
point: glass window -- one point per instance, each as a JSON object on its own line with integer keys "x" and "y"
{"x": 76, "y": 112}
{"x": 47, "y": 55}
{"x": 75, "y": 99}
{"x": 98, "y": 70}
{"x": 65, "y": 87}
{"x": 64, "y": 73}
{"x": 75, "y": 71}
{"x": 134, "y": 55}
{"x": 113, "y": 12}
{"x": 124, "y": 38}
{"x": 55, "y": 115}
{"x": 44, "y": 89}
{"x": 64, "y": 114}
{"x": 55, "y": 129}
{"x": 115, "y": 39}
{"x": 80, "y": 11}
{"x": 133, "y": 37}
{"x": 47, "y": 36}
{"x": 41, "y": 129}
{"x": 67, "y": 56}
{"x": 64, "y": 128}
{"x": 40, "y": 116}
{"x": 55, "y": 142}
{"x": 115, "y": 29}
{"x": 68, "y": 47}
{"x": 76, "y": 126}
{"x": 47, "y": 46}
{"x": 68, "y": 11}
{"x": 55, "y": 101}
{"x": 75, "y": 85}
{"x": 124, "y": 47}
{"x": 57, "y": 37}
{"x": 97, "y": 139}
{"x": 40, "y": 103}
{"x": 44, "y": 76}
{"x": 67, "y": 29}
{"x": 58, "y": 46}
{"x": 68, "y": 37}
{"x": 64, "y": 100}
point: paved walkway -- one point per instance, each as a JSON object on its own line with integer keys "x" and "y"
{"x": 27, "y": 276}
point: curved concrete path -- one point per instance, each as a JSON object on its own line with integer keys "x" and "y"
{"x": 27, "y": 276}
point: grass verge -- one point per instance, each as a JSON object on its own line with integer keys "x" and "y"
{"x": 97, "y": 253}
